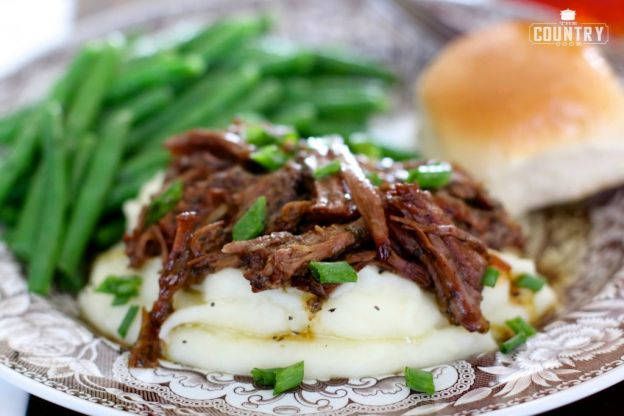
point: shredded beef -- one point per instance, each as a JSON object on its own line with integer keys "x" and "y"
{"x": 454, "y": 261}
{"x": 436, "y": 239}
{"x": 474, "y": 210}
{"x": 332, "y": 199}
{"x": 173, "y": 277}
{"x": 278, "y": 188}
{"x": 366, "y": 197}
{"x": 271, "y": 260}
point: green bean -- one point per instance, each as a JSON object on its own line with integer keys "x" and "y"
{"x": 109, "y": 233}
{"x": 201, "y": 37}
{"x": 152, "y": 128}
{"x": 228, "y": 36}
{"x": 20, "y": 157}
{"x": 66, "y": 88}
{"x": 147, "y": 103}
{"x": 89, "y": 204}
{"x": 335, "y": 101}
{"x": 259, "y": 100}
{"x": 274, "y": 61}
{"x": 301, "y": 116}
{"x": 89, "y": 97}
{"x": 338, "y": 63}
{"x": 262, "y": 98}
{"x": 199, "y": 103}
{"x": 54, "y": 201}
{"x": 228, "y": 87}
{"x": 128, "y": 189}
{"x": 300, "y": 63}
{"x": 9, "y": 215}
{"x": 82, "y": 158}
{"x": 156, "y": 157}
{"x": 25, "y": 234}
{"x": 167, "y": 70}
{"x": 11, "y": 123}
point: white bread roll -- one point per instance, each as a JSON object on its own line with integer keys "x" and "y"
{"x": 538, "y": 124}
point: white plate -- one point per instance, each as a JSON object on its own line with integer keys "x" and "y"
{"x": 46, "y": 350}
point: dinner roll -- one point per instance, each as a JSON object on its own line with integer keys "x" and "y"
{"x": 538, "y": 124}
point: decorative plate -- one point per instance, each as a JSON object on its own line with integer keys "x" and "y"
{"x": 46, "y": 350}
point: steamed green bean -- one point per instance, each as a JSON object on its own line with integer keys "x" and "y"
{"x": 90, "y": 200}
{"x": 50, "y": 229}
{"x": 20, "y": 156}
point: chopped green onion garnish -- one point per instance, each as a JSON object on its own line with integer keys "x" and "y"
{"x": 164, "y": 202}
{"x": 374, "y": 178}
{"x": 257, "y": 135}
{"x": 431, "y": 175}
{"x": 127, "y": 320}
{"x": 365, "y": 148}
{"x": 260, "y": 136}
{"x": 288, "y": 378}
{"x": 529, "y": 281}
{"x": 329, "y": 169}
{"x": 270, "y": 157}
{"x": 281, "y": 379}
{"x": 121, "y": 287}
{"x": 520, "y": 326}
{"x": 289, "y": 139}
{"x": 490, "y": 276}
{"x": 252, "y": 223}
{"x": 419, "y": 380}
{"x": 333, "y": 272}
{"x": 399, "y": 154}
{"x": 513, "y": 343}
{"x": 264, "y": 376}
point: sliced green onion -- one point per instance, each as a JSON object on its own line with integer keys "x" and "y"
{"x": 127, "y": 320}
{"x": 366, "y": 148}
{"x": 270, "y": 157}
{"x": 520, "y": 326}
{"x": 399, "y": 154}
{"x": 431, "y": 175}
{"x": 164, "y": 203}
{"x": 529, "y": 281}
{"x": 281, "y": 379}
{"x": 264, "y": 376}
{"x": 121, "y": 287}
{"x": 257, "y": 135}
{"x": 419, "y": 380}
{"x": 513, "y": 343}
{"x": 252, "y": 223}
{"x": 374, "y": 178}
{"x": 333, "y": 272}
{"x": 329, "y": 169}
{"x": 288, "y": 378}
{"x": 490, "y": 276}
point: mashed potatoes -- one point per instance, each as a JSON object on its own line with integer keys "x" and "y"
{"x": 375, "y": 326}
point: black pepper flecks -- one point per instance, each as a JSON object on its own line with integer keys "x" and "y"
{"x": 376, "y": 307}
{"x": 183, "y": 341}
{"x": 212, "y": 304}
{"x": 332, "y": 309}
{"x": 290, "y": 318}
